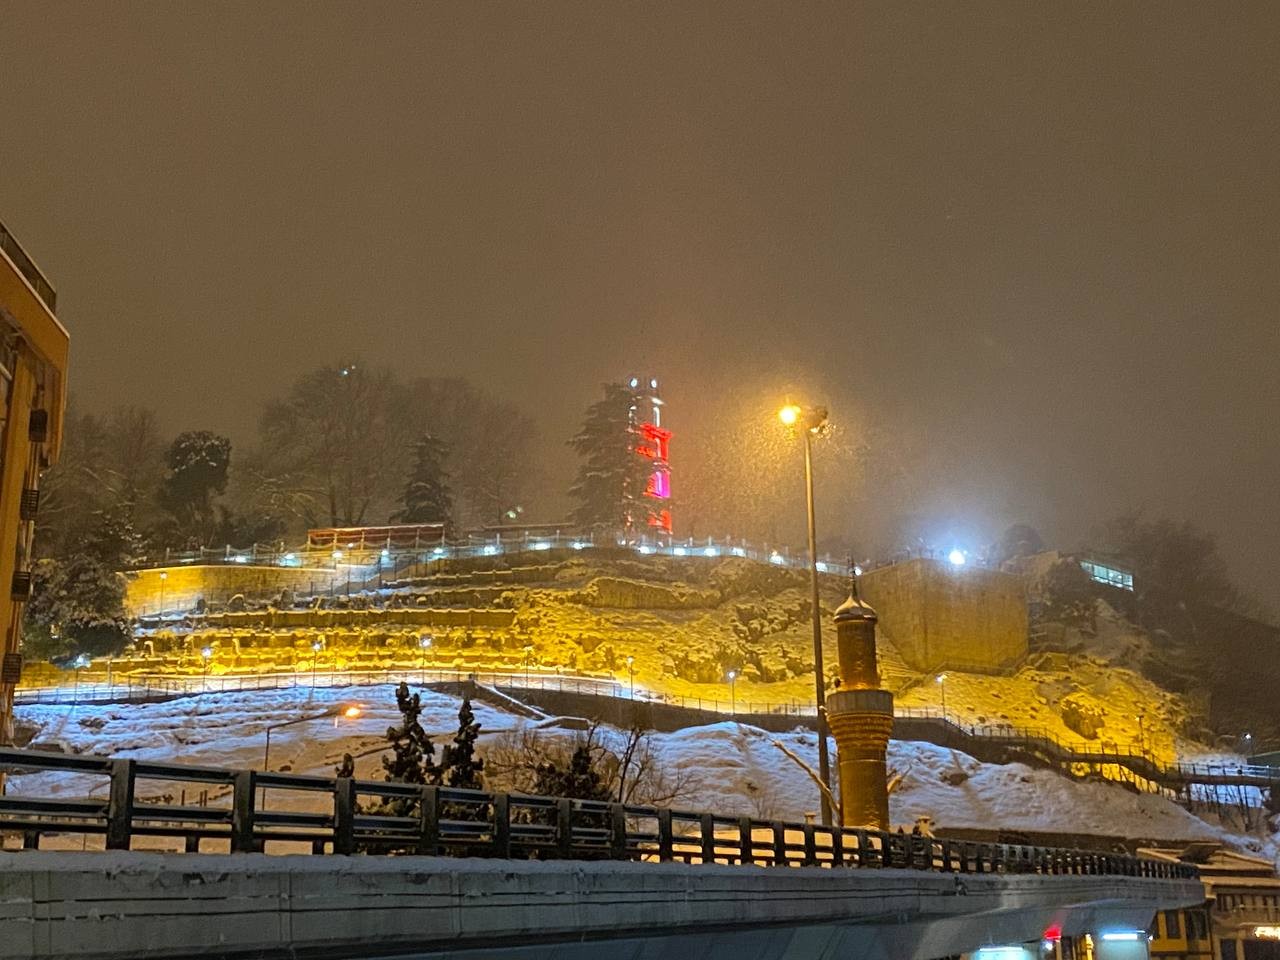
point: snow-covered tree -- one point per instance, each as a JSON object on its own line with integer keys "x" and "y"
{"x": 611, "y": 479}
{"x": 427, "y": 497}
{"x": 461, "y": 765}
{"x": 77, "y": 603}
{"x": 412, "y": 755}
{"x": 579, "y": 779}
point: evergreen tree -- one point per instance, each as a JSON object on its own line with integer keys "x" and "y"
{"x": 580, "y": 780}
{"x": 77, "y": 603}
{"x": 427, "y": 497}
{"x": 412, "y": 754}
{"x": 461, "y": 766}
{"x": 612, "y": 478}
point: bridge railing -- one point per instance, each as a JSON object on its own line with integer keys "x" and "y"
{"x": 341, "y": 815}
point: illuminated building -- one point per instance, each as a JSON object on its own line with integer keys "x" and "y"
{"x": 1239, "y": 921}
{"x": 652, "y": 442}
{"x": 33, "y": 368}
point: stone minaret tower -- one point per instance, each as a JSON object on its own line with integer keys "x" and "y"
{"x": 860, "y": 715}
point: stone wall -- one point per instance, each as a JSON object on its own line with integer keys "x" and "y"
{"x": 942, "y": 616}
{"x": 183, "y": 585}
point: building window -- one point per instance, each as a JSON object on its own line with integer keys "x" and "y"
{"x": 1172, "y": 925}
{"x": 1111, "y": 576}
{"x": 1229, "y": 950}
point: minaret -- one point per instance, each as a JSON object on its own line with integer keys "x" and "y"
{"x": 860, "y": 716}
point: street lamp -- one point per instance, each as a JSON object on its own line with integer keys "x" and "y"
{"x": 424, "y": 644}
{"x": 812, "y": 423}
{"x": 1142, "y": 731}
{"x": 733, "y": 702}
{"x": 163, "y": 577}
{"x": 528, "y": 649}
{"x": 316, "y": 646}
{"x": 350, "y": 711}
{"x": 631, "y": 668}
{"x": 942, "y": 685}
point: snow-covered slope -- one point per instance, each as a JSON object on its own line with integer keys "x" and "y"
{"x": 726, "y": 767}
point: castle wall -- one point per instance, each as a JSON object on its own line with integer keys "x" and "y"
{"x": 941, "y": 616}
{"x": 184, "y": 585}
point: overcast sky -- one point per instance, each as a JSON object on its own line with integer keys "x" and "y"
{"x": 1031, "y": 249}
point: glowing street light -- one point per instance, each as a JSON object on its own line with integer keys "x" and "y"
{"x": 733, "y": 702}
{"x": 163, "y": 577}
{"x": 956, "y": 557}
{"x": 316, "y": 646}
{"x": 348, "y": 711}
{"x": 207, "y": 654}
{"x": 812, "y": 422}
{"x": 941, "y": 680}
{"x": 424, "y": 644}
{"x": 631, "y": 668}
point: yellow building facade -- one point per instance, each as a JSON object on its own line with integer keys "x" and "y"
{"x": 33, "y": 389}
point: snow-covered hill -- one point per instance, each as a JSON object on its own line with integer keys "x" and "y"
{"x": 727, "y": 767}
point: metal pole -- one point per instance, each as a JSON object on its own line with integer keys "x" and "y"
{"x": 819, "y": 672}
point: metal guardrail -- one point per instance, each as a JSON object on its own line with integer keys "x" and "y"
{"x": 445, "y": 821}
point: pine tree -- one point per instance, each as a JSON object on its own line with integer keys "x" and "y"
{"x": 411, "y": 757}
{"x": 580, "y": 780}
{"x": 612, "y": 479}
{"x": 461, "y": 765}
{"x": 427, "y": 497}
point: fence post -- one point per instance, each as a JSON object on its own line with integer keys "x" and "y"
{"x": 810, "y": 846}
{"x": 344, "y": 816}
{"x": 707, "y": 833}
{"x": 502, "y": 826}
{"x": 564, "y": 828}
{"x": 665, "y": 840}
{"x": 779, "y": 844}
{"x": 242, "y": 812}
{"x": 617, "y": 831}
{"x": 746, "y": 843}
{"x": 120, "y": 804}
{"x": 429, "y": 821}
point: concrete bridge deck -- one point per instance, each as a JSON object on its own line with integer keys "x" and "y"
{"x": 147, "y": 906}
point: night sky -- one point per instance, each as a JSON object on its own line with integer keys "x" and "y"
{"x": 1028, "y": 251}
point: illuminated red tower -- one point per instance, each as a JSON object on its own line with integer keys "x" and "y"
{"x": 652, "y": 442}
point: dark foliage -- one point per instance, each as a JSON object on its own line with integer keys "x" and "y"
{"x": 427, "y": 497}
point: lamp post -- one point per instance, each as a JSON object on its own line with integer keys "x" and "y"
{"x": 163, "y": 577}
{"x": 812, "y": 423}
{"x": 528, "y": 649}
{"x": 207, "y": 654}
{"x": 348, "y": 710}
{"x": 733, "y": 701}
{"x": 631, "y": 669}
{"x": 424, "y": 644}
{"x": 316, "y": 646}
{"x": 942, "y": 685}
{"x": 1142, "y": 732}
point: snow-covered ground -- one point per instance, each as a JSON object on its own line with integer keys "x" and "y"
{"x": 726, "y": 767}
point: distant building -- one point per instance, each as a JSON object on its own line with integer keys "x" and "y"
{"x": 33, "y": 390}
{"x": 1240, "y": 919}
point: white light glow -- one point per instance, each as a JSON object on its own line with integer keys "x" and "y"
{"x": 857, "y": 570}
{"x": 957, "y": 557}
{"x": 680, "y": 551}
{"x": 1124, "y": 936}
{"x": 489, "y": 550}
{"x": 240, "y": 558}
{"x": 645, "y": 549}
{"x": 578, "y": 545}
{"x": 386, "y": 554}
{"x": 822, "y": 567}
{"x": 438, "y": 552}
{"x": 739, "y": 552}
{"x": 711, "y": 552}
{"x": 542, "y": 545}
{"x": 776, "y": 557}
